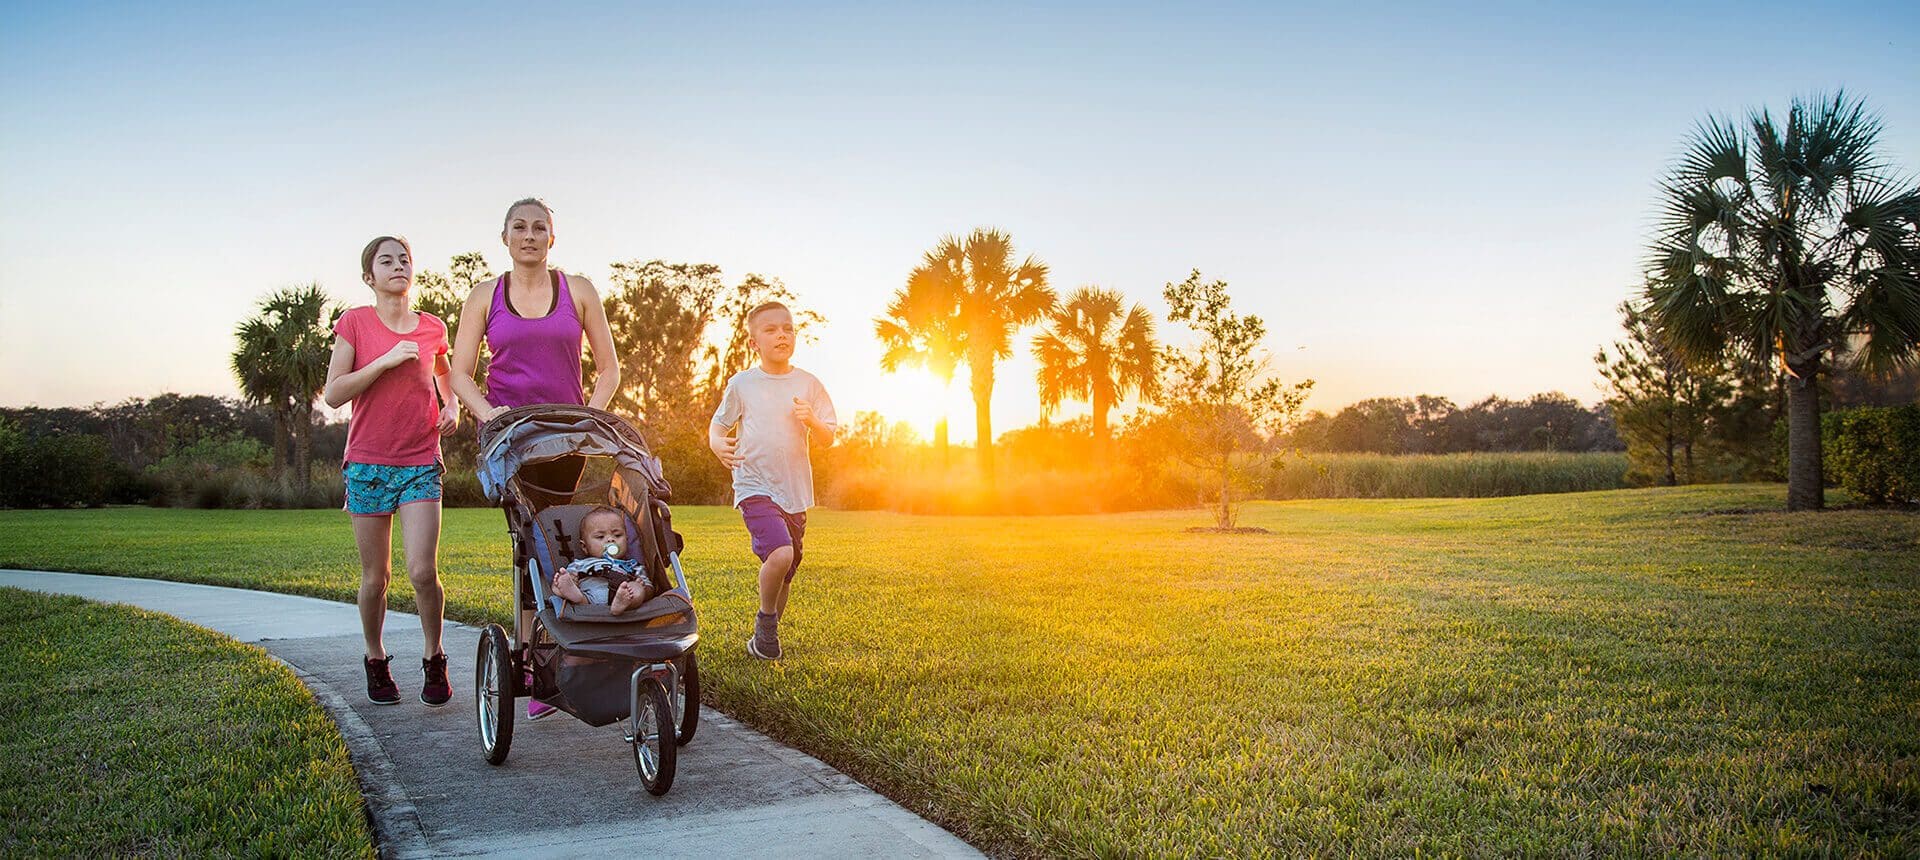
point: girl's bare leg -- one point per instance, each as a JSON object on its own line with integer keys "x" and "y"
{"x": 420, "y": 539}
{"x": 373, "y": 537}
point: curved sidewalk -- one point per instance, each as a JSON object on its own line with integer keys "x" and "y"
{"x": 567, "y": 789}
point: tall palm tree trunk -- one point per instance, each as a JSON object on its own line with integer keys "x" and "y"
{"x": 282, "y": 445}
{"x": 1671, "y": 442}
{"x": 1805, "y": 490}
{"x": 303, "y": 448}
{"x": 981, "y": 381}
{"x": 1100, "y": 432}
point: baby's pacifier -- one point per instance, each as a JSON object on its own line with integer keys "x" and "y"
{"x": 612, "y": 551}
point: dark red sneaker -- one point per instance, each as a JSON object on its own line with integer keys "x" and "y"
{"x": 381, "y": 690}
{"x": 436, "y": 691}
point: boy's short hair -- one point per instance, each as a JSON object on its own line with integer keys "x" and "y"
{"x": 765, "y": 306}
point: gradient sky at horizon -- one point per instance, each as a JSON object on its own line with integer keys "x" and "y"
{"x": 1416, "y": 200}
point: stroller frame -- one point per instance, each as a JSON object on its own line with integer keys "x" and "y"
{"x": 575, "y": 657}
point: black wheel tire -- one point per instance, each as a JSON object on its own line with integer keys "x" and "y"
{"x": 653, "y": 746}
{"x": 494, "y": 683}
{"x": 686, "y": 706}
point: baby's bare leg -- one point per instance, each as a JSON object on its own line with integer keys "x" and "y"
{"x": 566, "y": 583}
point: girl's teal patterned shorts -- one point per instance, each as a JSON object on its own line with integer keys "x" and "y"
{"x": 374, "y": 490}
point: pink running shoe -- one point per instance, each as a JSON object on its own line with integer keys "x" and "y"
{"x": 536, "y": 709}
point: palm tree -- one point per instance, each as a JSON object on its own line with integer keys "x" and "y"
{"x": 923, "y": 328}
{"x": 281, "y": 361}
{"x": 1782, "y": 244}
{"x": 1092, "y": 353}
{"x": 997, "y": 298}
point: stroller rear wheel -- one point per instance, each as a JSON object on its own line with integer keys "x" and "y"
{"x": 494, "y": 680}
{"x": 652, "y": 736}
{"x": 686, "y": 701}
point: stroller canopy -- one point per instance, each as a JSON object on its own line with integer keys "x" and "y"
{"x": 542, "y": 432}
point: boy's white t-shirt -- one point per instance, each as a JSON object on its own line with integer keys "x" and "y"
{"x": 772, "y": 443}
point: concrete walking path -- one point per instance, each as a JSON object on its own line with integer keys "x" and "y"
{"x": 567, "y": 789}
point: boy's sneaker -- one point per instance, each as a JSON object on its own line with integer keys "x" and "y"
{"x": 435, "y": 691}
{"x": 763, "y": 650}
{"x": 765, "y": 642}
{"x": 381, "y": 690}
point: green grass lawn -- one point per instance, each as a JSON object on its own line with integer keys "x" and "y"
{"x": 127, "y": 733}
{"x": 1647, "y": 671}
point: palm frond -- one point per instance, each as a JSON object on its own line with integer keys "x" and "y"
{"x": 1885, "y": 316}
{"x": 1136, "y": 367}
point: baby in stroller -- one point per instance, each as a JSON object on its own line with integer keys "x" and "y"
{"x": 600, "y": 577}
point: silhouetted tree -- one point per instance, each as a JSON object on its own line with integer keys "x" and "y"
{"x": 997, "y": 299}
{"x": 1091, "y": 352}
{"x": 923, "y": 327}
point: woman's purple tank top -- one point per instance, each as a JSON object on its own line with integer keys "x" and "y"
{"x": 534, "y": 360}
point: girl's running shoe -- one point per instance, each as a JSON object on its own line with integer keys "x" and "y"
{"x": 381, "y": 690}
{"x": 436, "y": 691}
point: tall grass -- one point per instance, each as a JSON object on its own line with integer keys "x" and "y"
{"x": 1414, "y": 476}
{"x": 1083, "y": 488}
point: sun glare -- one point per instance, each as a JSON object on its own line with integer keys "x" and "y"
{"x": 915, "y": 396}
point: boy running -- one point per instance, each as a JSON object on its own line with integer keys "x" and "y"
{"x": 771, "y": 411}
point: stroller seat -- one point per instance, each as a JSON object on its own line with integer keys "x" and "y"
{"x": 557, "y": 543}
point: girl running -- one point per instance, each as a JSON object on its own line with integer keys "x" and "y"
{"x": 390, "y": 362}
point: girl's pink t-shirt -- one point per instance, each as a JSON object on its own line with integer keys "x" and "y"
{"x": 393, "y": 420}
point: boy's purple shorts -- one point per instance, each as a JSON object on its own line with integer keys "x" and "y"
{"x": 772, "y": 528}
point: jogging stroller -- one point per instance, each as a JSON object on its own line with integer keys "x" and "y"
{"x": 601, "y": 668}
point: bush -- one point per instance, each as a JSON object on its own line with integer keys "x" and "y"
{"x": 228, "y": 451}
{"x": 1874, "y": 453}
{"x": 211, "y": 489}
{"x": 55, "y": 470}
{"x": 460, "y": 488}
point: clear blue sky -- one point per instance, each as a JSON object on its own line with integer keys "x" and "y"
{"x": 1448, "y": 201}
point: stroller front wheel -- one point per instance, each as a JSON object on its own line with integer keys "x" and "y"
{"x": 652, "y": 736}
{"x": 494, "y": 682}
{"x": 686, "y": 701}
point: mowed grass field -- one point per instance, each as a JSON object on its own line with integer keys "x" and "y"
{"x": 1628, "y": 672}
{"x": 126, "y": 733}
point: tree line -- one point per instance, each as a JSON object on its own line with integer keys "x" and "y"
{"x": 1786, "y": 268}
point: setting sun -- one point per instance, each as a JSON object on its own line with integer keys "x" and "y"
{"x": 915, "y": 396}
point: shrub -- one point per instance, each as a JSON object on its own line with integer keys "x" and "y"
{"x": 460, "y": 488}
{"x": 228, "y": 451}
{"x": 210, "y": 489}
{"x": 55, "y": 470}
{"x": 1874, "y": 453}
